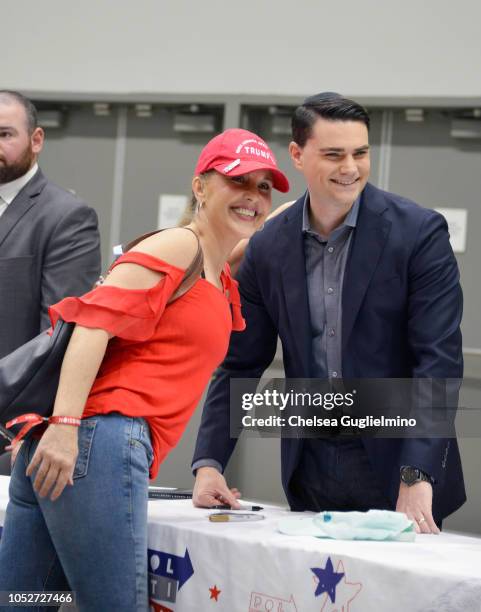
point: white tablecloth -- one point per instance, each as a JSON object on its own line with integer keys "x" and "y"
{"x": 196, "y": 565}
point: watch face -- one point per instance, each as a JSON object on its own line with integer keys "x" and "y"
{"x": 409, "y": 475}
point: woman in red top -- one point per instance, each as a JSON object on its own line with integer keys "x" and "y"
{"x": 133, "y": 373}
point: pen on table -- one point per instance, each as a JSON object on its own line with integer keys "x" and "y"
{"x": 225, "y": 517}
{"x": 242, "y": 508}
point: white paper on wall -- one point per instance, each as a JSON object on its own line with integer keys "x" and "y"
{"x": 457, "y": 219}
{"x": 170, "y": 210}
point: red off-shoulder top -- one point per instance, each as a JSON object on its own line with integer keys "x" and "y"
{"x": 162, "y": 356}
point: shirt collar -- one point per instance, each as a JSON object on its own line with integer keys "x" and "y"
{"x": 9, "y": 191}
{"x": 349, "y": 221}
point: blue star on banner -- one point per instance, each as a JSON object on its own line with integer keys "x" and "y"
{"x": 328, "y": 580}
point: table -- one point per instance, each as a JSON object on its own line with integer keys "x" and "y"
{"x": 251, "y": 567}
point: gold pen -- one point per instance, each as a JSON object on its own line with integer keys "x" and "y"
{"x": 224, "y": 517}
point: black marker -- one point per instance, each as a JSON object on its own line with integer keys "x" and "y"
{"x": 242, "y": 508}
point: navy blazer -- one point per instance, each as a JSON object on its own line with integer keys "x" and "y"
{"x": 402, "y": 306}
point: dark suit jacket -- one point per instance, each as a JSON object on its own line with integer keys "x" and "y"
{"x": 402, "y": 307}
{"x": 49, "y": 249}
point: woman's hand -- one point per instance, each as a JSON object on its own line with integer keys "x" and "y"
{"x": 15, "y": 448}
{"x": 55, "y": 459}
{"x": 57, "y": 450}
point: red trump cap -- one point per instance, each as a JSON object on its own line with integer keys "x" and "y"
{"x": 236, "y": 152}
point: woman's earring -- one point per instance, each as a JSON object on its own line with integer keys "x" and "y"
{"x": 198, "y": 207}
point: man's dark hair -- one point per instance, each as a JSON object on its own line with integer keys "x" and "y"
{"x": 328, "y": 105}
{"x": 30, "y": 110}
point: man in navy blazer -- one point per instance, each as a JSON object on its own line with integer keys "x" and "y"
{"x": 357, "y": 283}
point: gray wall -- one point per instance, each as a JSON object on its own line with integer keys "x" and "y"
{"x": 367, "y": 48}
{"x": 80, "y": 156}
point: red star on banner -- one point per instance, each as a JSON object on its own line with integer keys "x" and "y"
{"x": 214, "y": 592}
{"x": 155, "y": 607}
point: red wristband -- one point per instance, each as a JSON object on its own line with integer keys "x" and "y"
{"x": 31, "y": 420}
{"x": 64, "y": 420}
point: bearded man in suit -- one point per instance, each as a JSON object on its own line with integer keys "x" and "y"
{"x": 49, "y": 239}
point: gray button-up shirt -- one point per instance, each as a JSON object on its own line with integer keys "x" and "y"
{"x": 325, "y": 266}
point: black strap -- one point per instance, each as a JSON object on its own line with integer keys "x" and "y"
{"x": 192, "y": 273}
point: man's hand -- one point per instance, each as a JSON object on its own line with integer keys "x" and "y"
{"x": 211, "y": 489}
{"x": 416, "y": 502}
{"x": 55, "y": 458}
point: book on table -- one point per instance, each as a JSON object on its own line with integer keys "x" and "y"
{"x": 169, "y": 493}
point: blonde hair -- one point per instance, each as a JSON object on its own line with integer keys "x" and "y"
{"x": 189, "y": 212}
{"x": 190, "y": 209}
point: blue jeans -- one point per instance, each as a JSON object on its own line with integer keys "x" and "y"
{"x": 93, "y": 538}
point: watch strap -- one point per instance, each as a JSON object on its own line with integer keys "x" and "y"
{"x": 419, "y": 475}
